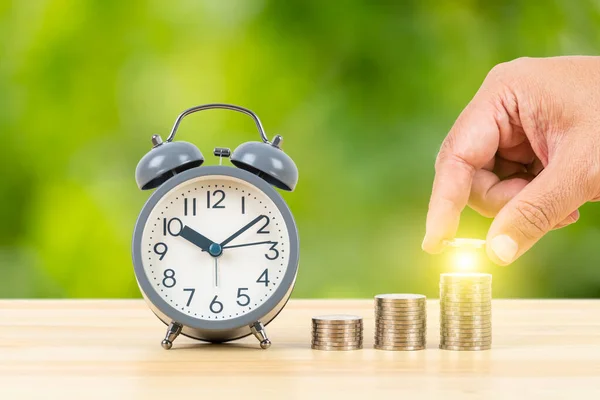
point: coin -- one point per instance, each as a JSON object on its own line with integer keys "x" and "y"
{"x": 467, "y": 343}
{"x": 335, "y": 348}
{"x": 337, "y": 319}
{"x": 398, "y": 348}
{"x": 337, "y": 344}
{"x": 404, "y": 297}
{"x": 465, "y": 348}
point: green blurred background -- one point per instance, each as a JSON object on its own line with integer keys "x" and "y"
{"x": 362, "y": 91}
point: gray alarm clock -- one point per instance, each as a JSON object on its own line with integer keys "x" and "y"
{"x": 215, "y": 248}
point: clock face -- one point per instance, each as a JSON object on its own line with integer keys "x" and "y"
{"x": 215, "y": 247}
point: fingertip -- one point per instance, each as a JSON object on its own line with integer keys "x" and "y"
{"x": 432, "y": 245}
{"x": 502, "y": 249}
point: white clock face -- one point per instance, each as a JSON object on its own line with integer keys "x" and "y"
{"x": 215, "y": 247}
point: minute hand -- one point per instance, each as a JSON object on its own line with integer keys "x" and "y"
{"x": 245, "y": 228}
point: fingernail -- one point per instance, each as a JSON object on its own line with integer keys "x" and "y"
{"x": 504, "y": 248}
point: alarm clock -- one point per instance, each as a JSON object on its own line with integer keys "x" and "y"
{"x": 215, "y": 248}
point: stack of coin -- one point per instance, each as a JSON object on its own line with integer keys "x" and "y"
{"x": 400, "y": 321}
{"x": 337, "y": 332}
{"x": 466, "y": 311}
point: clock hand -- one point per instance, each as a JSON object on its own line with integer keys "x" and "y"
{"x": 245, "y": 228}
{"x": 247, "y": 244}
{"x": 216, "y": 272}
{"x": 214, "y": 249}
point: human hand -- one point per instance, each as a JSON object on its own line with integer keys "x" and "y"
{"x": 525, "y": 150}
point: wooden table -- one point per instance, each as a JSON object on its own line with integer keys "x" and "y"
{"x": 543, "y": 349}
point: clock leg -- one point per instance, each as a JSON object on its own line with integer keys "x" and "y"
{"x": 258, "y": 329}
{"x": 173, "y": 331}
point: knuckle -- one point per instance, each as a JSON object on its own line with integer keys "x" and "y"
{"x": 535, "y": 218}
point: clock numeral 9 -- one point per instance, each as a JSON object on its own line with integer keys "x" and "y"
{"x": 169, "y": 278}
{"x": 244, "y": 296}
{"x": 275, "y": 254}
{"x": 264, "y": 277}
{"x": 161, "y": 249}
{"x": 215, "y": 194}
{"x": 216, "y": 306}
{"x": 172, "y": 227}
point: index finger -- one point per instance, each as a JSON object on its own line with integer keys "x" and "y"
{"x": 471, "y": 143}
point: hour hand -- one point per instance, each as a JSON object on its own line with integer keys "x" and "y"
{"x": 196, "y": 238}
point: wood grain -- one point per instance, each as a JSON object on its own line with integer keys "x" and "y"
{"x": 546, "y": 349}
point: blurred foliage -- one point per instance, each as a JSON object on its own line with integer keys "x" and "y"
{"x": 362, "y": 91}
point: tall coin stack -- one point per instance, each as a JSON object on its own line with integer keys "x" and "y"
{"x": 400, "y": 322}
{"x": 466, "y": 311}
{"x": 337, "y": 332}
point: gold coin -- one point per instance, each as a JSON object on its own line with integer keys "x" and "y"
{"x": 466, "y": 318}
{"x": 466, "y": 308}
{"x": 477, "y": 343}
{"x": 335, "y": 348}
{"x": 401, "y": 327}
{"x": 400, "y": 297}
{"x": 337, "y": 319}
{"x": 465, "y": 348}
{"x": 400, "y": 337}
{"x": 464, "y": 303}
{"x": 466, "y": 314}
{"x": 465, "y": 243}
{"x": 398, "y": 348}
{"x": 400, "y": 342}
{"x": 465, "y": 332}
{"x": 466, "y": 336}
{"x": 337, "y": 344}
{"x": 415, "y": 319}
{"x": 464, "y": 276}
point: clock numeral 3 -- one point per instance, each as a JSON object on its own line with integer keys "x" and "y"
{"x": 275, "y": 253}
{"x": 216, "y": 306}
{"x": 264, "y": 277}
{"x": 192, "y": 291}
{"x": 244, "y": 296}
{"x": 262, "y": 230}
{"x": 185, "y": 207}
{"x": 172, "y": 227}
{"x": 217, "y": 194}
{"x": 161, "y": 249}
{"x": 169, "y": 278}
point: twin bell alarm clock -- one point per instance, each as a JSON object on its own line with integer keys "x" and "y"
{"x": 215, "y": 248}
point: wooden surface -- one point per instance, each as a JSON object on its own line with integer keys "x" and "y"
{"x": 543, "y": 349}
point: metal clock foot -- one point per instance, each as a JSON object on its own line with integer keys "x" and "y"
{"x": 258, "y": 330}
{"x": 173, "y": 331}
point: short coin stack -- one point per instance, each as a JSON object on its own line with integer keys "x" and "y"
{"x": 337, "y": 332}
{"x": 400, "y": 321}
{"x": 465, "y": 311}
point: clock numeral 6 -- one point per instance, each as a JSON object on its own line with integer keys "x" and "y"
{"x": 244, "y": 296}
{"x": 216, "y": 306}
{"x": 169, "y": 278}
{"x": 161, "y": 248}
{"x": 216, "y": 193}
{"x": 264, "y": 277}
{"x": 172, "y": 227}
{"x": 275, "y": 254}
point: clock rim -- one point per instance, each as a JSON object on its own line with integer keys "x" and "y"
{"x": 281, "y": 294}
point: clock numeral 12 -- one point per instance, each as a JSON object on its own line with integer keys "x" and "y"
{"x": 215, "y": 194}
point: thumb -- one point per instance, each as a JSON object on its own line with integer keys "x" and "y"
{"x": 545, "y": 202}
